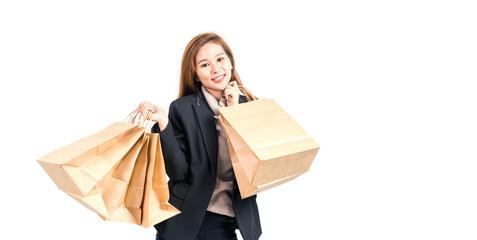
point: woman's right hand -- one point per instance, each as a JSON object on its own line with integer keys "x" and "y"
{"x": 158, "y": 114}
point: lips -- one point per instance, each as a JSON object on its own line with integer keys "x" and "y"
{"x": 218, "y": 79}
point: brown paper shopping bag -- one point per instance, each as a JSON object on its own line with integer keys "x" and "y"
{"x": 137, "y": 190}
{"x": 121, "y": 192}
{"x": 118, "y": 196}
{"x": 267, "y": 147}
{"x": 156, "y": 207}
{"x": 78, "y": 167}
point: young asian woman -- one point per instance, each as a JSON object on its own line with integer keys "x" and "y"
{"x": 202, "y": 184}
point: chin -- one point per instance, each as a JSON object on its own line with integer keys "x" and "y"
{"x": 219, "y": 86}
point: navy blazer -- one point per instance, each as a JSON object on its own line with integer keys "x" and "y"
{"x": 189, "y": 146}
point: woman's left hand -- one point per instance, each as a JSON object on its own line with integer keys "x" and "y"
{"x": 232, "y": 93}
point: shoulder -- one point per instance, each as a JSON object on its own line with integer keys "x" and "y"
{"x": 182, "y": 104}
{"x": 184, "y": 101}
{"x": 191, "y": 98}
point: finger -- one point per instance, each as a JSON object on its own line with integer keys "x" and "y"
{"x": 148, "y": 105}
{"x": 232, "y": 84}
{"x": 228, "y": 93}
{"x": 143, "y": 106}
{"x": 139, "y": 107}
{"x": 230, "y": 100}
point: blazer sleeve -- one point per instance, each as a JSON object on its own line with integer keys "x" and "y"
{"x": 174, "y": 149}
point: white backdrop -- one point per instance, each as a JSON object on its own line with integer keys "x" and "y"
{"x": 385, "y": 87}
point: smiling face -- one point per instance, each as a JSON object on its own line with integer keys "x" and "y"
{"x": 214, "y": 69}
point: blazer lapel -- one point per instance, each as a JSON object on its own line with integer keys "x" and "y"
{"x": 206, "y": 120}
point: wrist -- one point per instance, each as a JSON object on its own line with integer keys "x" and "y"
{"x": 163, "y": 123}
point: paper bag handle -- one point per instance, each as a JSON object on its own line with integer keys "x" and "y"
{"x": 143, "y": 120}
{"x": 147, "y": 120}
{"x": 131, "y": 118}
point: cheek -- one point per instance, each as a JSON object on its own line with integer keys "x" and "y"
{"x": 203, "y": 75}
{"x": 229, "y": 70}
{"x": 228, "y": 64}
{"x": 227, "y": 67}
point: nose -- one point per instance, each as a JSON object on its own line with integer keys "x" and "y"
{"x": 214, "y": 68}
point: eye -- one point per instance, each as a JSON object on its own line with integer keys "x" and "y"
{"x": 204, "y": 65}
{"x": 220, "y": 59}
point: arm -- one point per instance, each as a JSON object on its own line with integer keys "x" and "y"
{"x": 173, "y": 145}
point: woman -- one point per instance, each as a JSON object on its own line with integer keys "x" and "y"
{"x": 202, "y": 183}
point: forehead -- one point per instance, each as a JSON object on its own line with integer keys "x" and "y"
{"x": 209, "y": 50}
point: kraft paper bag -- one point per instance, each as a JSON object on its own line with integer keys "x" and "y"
{"x": 131, "y": 188}
{"x": 156, "y": 207}
{"x": 136, "y": 191}
{"x": 267, "y": 147}
{"x": 118, "y": 196}
{"x": 78, "y": 167}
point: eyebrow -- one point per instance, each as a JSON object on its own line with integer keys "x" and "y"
{"x": 206, "y": 59}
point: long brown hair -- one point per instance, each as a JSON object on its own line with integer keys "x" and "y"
{"x": 189, "y": 76}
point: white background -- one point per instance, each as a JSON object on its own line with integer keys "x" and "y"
{"x": 385, "y": 87}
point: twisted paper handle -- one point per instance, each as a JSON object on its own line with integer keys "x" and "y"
{"x": 131, "y": 118}
{"x": 143, "y": 120}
